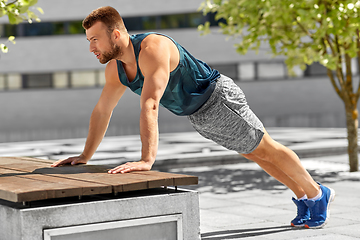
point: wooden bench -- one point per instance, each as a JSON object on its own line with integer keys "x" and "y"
{"x": 26, "y": 180}
{"x": 30, "y": 179}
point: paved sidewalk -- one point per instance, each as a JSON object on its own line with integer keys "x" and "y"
{"x": 182, "y": 149}
{"x": 241, "y": 201}
{"x": 238, "y": 200}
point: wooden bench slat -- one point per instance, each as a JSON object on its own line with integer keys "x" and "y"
{"x": 86, "y": 173}
{"x": 179, "y": 179}
{"x": 32, "y": 190}
{"x": 30, "y": 179}
{"x": 84, "y": 188}
{"x": 31, "y": 159}
{"x": 121, "y": 182}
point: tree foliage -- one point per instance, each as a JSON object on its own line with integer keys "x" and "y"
{"x": 304, "y": 31}
{"x": 18, "y": 11}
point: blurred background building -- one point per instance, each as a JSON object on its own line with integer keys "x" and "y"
{"x": 50, "y": 82}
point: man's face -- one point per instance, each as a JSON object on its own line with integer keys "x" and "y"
{"x": 101, "y": 44}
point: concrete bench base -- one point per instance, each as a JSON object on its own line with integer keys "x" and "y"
{"x": 149, "y": 214}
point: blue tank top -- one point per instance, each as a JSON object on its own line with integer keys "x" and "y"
{"x": 190, "y": 84}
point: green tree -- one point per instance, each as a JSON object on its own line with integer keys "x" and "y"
{"x": 304, "y": 31}
{"x": 17, "y": 12}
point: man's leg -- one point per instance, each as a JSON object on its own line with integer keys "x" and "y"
{"x": 303, "y": 213}
{"x": 279, "y": 175}
{"x": 227, "y": 120}
{"x": 282, "y": 159}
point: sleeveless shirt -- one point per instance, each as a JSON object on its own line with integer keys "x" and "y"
{"x": 190, "y": 83}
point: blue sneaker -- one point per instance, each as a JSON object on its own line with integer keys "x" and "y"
{"x": 303, "y": 213}
{"x": 320, "y": 209}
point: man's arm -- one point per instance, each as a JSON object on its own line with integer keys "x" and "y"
{"x": 100, "y": 117}
{"x": 154, "y": 62}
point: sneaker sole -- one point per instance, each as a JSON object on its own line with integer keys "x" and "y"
{"x": 297, "y": 226}
{"x": 332, "y": 198}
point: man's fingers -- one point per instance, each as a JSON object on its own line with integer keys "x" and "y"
{"x": 59, "y": 163}
{"x": 130, "y": 167}
{"x": 122, "y": 169}
{"x": 72, "y": 161}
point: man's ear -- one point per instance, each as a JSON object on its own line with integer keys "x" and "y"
{"x": 116, "y": 34}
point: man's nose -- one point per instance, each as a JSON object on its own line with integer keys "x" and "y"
{"x": 91, "y": 47}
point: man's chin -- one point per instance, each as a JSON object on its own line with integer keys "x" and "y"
{"x": 104, "y": 61}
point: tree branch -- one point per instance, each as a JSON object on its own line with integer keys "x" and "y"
{"x": 331, "y": 74}
{"x": 304, "y": 29}
{"x": 12, "y": 3}
{"x": 348, "y": 73}
{"x": 349, "y": 85}
{"x": 329, "y": 41}
{"x": 333, "y": 82}
{"x": 357, "y": 94}
{"x": 339, "y": 71}
{"x": 336, "y": 53}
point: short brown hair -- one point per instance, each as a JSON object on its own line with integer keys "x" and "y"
{"x": 107, "y": 15}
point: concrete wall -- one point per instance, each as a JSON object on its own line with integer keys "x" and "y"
{"x": 137, "y": 209}
{"x": 55, "y": 10}
{"x": 52, "y": 114}
{"x": 64, "y": 53}
{"x": 64, "y": 113}
{"x": 58, "y": 53}
{"x": 46, "y": 54}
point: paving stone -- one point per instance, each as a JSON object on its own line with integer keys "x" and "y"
{"x": 213, "y": 203}
{"x": 223, "y": 221}
{"x": 239, "y": 200}
{"x": 350, "y": 231}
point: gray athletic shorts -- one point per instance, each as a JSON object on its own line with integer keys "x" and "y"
{"x": 227, "y": 119}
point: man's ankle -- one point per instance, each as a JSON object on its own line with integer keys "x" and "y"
{"x": 317, "y": 197}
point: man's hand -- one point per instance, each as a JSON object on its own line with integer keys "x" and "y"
{"x": 131, "y": 166}
{"x": 71, "y": 160}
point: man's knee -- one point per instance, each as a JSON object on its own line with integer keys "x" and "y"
{"x": 266, "y": 151}
{"x": 259, "y": 153}
{"x": 248, "y": 156}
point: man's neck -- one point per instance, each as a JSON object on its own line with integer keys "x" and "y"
{"x": 128, "y": 55}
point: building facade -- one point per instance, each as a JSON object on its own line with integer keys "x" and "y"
{"x": 54, "y": 53}
{"x": 52, "y": 58}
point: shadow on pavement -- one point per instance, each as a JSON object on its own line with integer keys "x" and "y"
{"x": 223, "y": 181}
{"x": 243, "y": 233}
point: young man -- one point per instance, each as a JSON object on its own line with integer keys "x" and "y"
{"x": 163, "y": 73}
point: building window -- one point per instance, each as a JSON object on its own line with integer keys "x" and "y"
{"x": 271, "y": 70}
{"x": 229, "y": 70}
{"x": 43, "y": 29}
{"x": 186, "y": 20}
{"x": 315, "y": 69}
{"x": 37, "y": 80}
{"x": 247, "y": 71}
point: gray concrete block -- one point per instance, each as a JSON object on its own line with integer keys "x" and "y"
{"x": 27, "y": 223}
